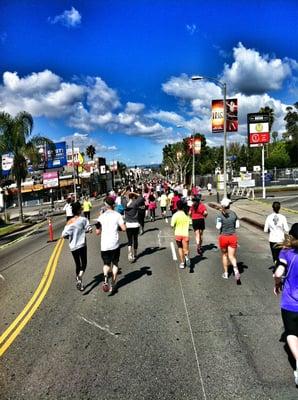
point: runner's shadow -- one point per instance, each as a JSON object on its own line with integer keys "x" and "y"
{"x": 150, "y": 230}
{"x": 241, "y": 266}
{"x": 92, "y": 285}
{"x": 150, "y": 250}
{"x": 194, "y": 261}
{"x": 131, "y": 277}
{"x": 210, "y": 246}
{"x": 291, "y": 359}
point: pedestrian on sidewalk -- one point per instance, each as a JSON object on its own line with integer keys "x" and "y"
{"x": 180, "y": 221}
{"x": 198, "y": 213}
{"x": 276, "y": 224}
{"x": 107, "y": 226}
{"x": 227, "y": 222}
{"x": 287, "y": 269}
{"x": 68, "y": 208}
{"x": 75, "y": 230}
{"x": 87, "y": 207}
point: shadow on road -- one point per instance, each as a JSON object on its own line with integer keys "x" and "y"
{"x": 131, "y": 277}
{"x": 92, "y": 285}
{"x": 150, "y": 230}
{"x": 150, "y": 250}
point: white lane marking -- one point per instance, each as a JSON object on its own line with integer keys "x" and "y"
{"x": 159, "y": 244}
{"x": 103, "y": 328}
{"x": 173, "y": 252}
{"x": 192, "y": 338}
{"x": 2, "y": 277}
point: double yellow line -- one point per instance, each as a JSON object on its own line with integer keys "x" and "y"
{"x": 7, "y": 338}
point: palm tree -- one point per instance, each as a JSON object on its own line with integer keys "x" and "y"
{"x": 90, "y": 151}
{"x": 269, "y": 111}
{"x": 15, "y": 138}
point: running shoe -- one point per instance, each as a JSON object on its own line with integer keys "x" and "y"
{"x": 225, "y": 275}
{"x": 181, "y": 266}
{"x": 296, "y": 377}
{"x": 105, "y": 287}
{"x": 112, "y": 288}
{"x": 79, "y": 283}
{"x": 187, "y": 262}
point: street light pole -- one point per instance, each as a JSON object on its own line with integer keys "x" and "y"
{"x": 193, "y": 161}
{"x": 223, "y": 86}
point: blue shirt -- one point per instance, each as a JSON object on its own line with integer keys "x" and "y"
{"x": 289, "y": 298}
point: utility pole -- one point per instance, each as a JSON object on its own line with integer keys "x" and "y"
{"x": 74, "y": 172}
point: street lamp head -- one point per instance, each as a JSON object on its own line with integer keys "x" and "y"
{"x": 197, "y": 78}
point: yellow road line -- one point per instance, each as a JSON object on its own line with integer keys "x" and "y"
{"x": 35, "y": 301}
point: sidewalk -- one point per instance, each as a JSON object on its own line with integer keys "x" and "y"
{"x": 255, "y": 212}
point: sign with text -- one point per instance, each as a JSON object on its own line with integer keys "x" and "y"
{"x": 60, "y": 158}
{"x": 258, "y": 129}
{"x": 50, "y": 180}
{"x": 218, "y": 115}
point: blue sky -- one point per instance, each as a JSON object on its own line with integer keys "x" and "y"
{"x": 116, "y": 74}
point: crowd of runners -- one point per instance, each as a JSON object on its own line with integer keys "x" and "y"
{"x": 127, "y": 210}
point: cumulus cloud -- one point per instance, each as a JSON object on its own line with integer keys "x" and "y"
{"x": 69, "y": 18}
{"x": 134, "y": 108}
{"x": 253, "y": 73}
{"x": 167, "y": 116}
{"x": 83, "y": 140}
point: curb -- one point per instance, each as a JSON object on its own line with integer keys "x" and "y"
{"x": 244, "y": 219}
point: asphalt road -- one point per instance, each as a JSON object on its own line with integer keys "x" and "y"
{"x": 166, "y": 334}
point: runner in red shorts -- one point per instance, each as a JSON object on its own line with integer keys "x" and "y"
{"x": 227, "y": 222}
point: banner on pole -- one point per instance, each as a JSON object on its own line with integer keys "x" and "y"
{"x": 218, "y": 115}
{"x": 7, "y": 163}
{"x": 194, "y": 145}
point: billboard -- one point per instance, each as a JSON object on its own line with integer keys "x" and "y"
{"x": 60, "y": 156}
{"x": 50, "y": 180}
{"x": 258, "y": 129}
{"x": 218, "y": 115}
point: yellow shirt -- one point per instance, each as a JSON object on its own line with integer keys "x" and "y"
{"x": 180, "y": 221}
{"x": 87, "y": 206}
{"x": 163, "y": 200}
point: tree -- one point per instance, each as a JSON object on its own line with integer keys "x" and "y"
{"x": 279, "y": 156}
{"x": 90, "y": 151}
{"x": 269, "y": 111}
{"x": 274, "y": 136}
{"x": 15, "y": 138}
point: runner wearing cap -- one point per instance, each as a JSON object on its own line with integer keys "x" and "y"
{"x": 287, "y": 266}
{"x": 227, "y": 222}
{"x": 107, "y": 225}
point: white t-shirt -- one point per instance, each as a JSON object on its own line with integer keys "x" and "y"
{"x": 68, "y": 209}
{"x": 276, "y": 225}
{"x": 110, "y": 220}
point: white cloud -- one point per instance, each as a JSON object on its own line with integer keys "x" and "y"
{"x": 253, "y": 73}
{"x": 36, "y": 82}
{"x": 134, "y": 108}
{"x": 191, "y": 29}
{"x": 83, "y": 140}
{"x": 69, "y": 18}
{"x": 167, "y": 116}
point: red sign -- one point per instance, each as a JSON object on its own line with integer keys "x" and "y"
{"x": 259, "y": 138}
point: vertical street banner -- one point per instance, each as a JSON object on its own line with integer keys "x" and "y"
{"x": 258, "y": 129}
{"x": 194, "y": 145}
{"x": 218, "y": 115}
{"x": 7, "y": 163}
